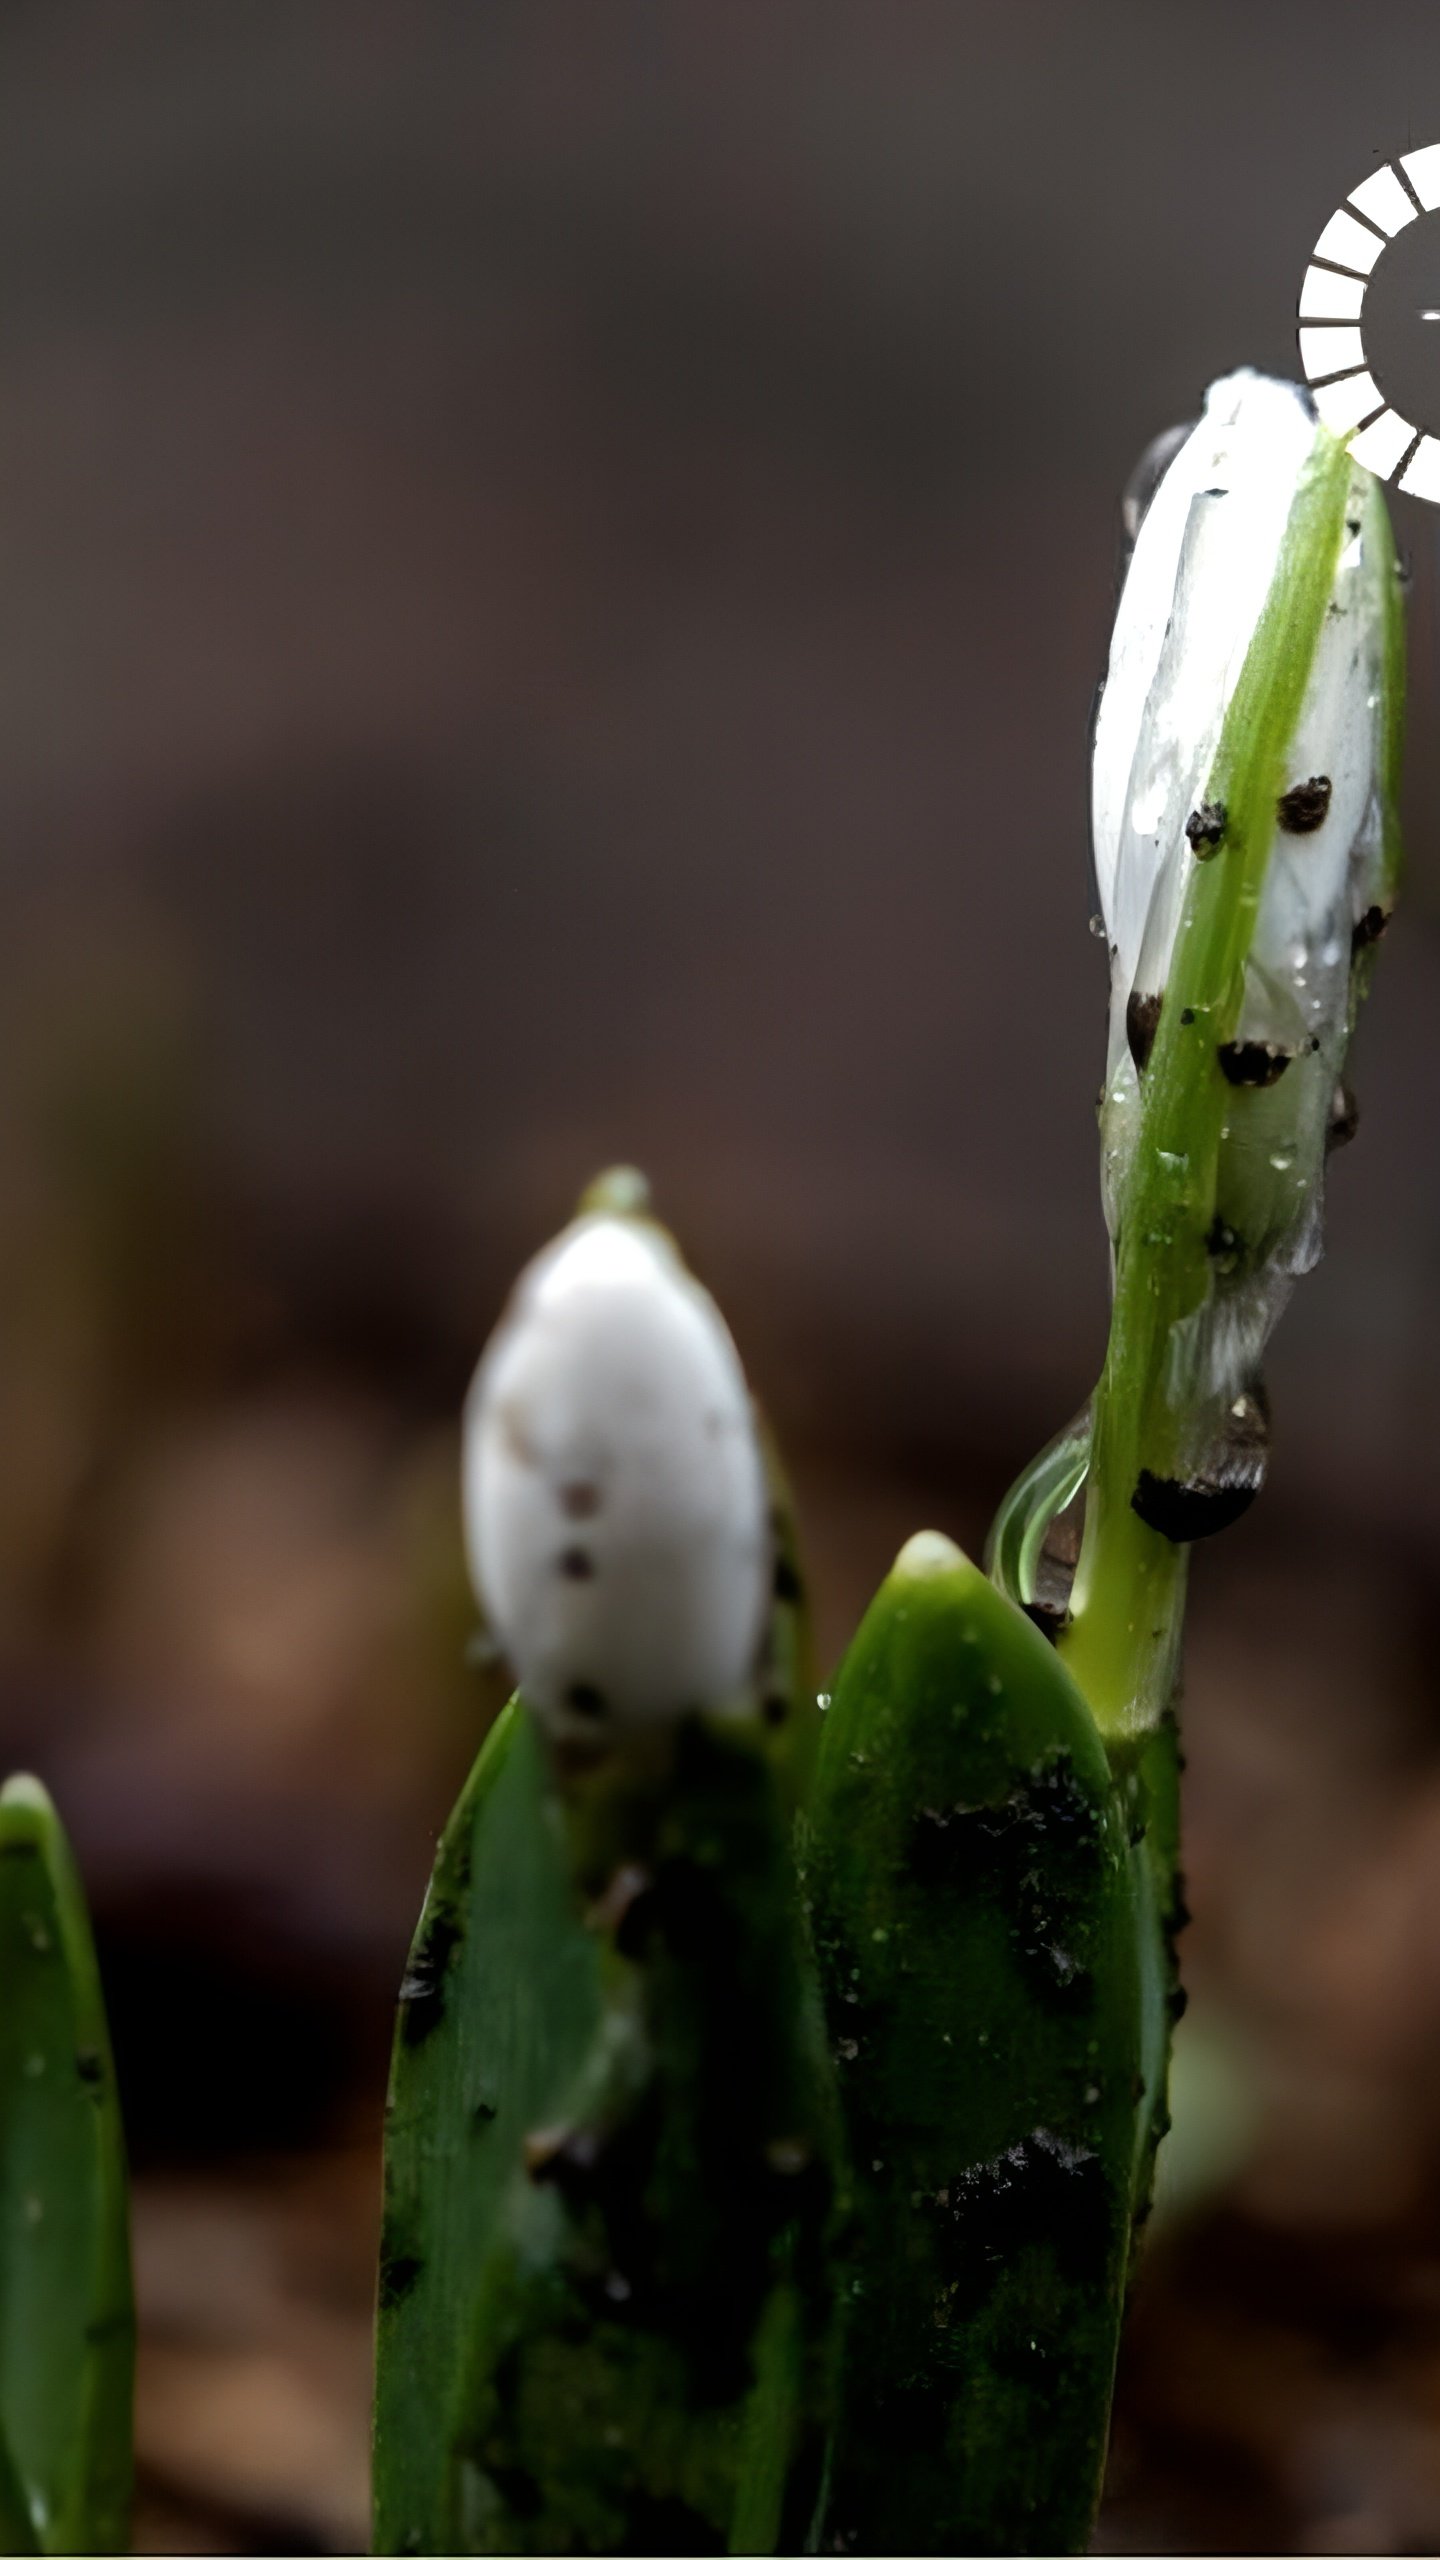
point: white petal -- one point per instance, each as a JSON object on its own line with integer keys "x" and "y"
{"x": 1202, "y": 565}
{"x": 615, "y": 1503}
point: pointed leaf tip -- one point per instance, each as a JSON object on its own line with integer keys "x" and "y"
{"x": 27, "y": 1793}
{"x": 930, "y": 1553}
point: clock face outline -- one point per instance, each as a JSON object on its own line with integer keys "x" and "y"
{"x": 1331, "y": 322}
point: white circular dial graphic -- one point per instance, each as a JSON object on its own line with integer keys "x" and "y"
{"x": 1331, "y": 314}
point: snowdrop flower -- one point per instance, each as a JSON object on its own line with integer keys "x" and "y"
{"x": 616, "y": 1509}
{"x": 1207, "y": 550}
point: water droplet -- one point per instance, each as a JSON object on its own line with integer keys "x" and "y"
{"x": 1216, "y": 1481}
{"x": 823, "y": 1701}
{"x": 1282, "y": 1159}
{"x": 1146, "y": 477}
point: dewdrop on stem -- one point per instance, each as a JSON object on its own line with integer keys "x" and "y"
{"x": 616, "y": 1509}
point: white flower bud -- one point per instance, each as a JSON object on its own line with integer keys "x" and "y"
{"x": 616, "y": 1510}
{"x": 1205, "y": 555}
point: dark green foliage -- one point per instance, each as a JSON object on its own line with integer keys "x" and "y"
{"x": 67, "y": 2329}
{"x": 602, "y": 2294}
{"x": 498, "y": 2005}
{"x": 974, "y": 1915}
{"x": 649, "y": 2365}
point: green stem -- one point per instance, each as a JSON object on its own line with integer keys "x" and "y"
{"x": 1123, "y": 1637}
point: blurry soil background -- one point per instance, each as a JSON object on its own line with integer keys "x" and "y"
{"x": 553, "y": 565}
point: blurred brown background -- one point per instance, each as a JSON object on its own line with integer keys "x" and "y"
{"x": 554, "y": 563}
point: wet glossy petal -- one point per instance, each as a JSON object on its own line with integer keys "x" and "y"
{"x": 1204, "y": 556}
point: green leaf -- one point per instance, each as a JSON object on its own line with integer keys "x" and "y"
{"x": 658, "y": 2314}
{"x": 67, "y": 2323}
{"x": 972, "y": 1904}
{"x": 499, "y": 2004}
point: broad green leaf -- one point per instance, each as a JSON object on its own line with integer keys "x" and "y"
{"x": 650, "y": 2366}
{"x": 973, "y": 1910}
{"x": 498, "y": 2005}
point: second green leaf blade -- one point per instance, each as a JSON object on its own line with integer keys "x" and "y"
{"x": 972, "y": 1903}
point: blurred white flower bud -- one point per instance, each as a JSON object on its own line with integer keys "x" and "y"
{"x": 1206, "y": 552}
{"x": 616, "y": 1510}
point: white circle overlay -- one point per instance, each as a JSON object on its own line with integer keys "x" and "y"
{"x": 1331, "y": 313}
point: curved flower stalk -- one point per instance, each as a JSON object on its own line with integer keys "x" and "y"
{"x": 605, "y": 2304}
